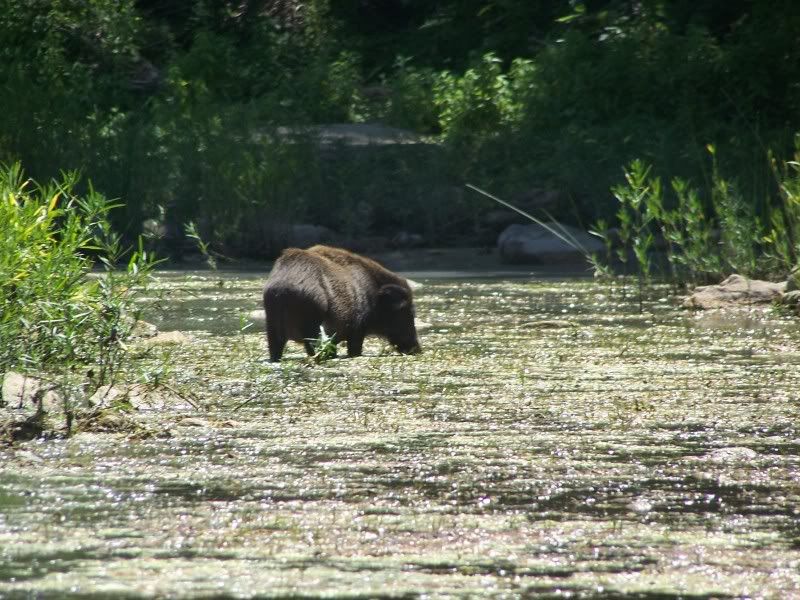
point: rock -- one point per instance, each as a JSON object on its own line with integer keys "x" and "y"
{"x": 29, "y": 394}
{"x": 139, "y": 398}
{"x": 143, "y": 329}
{"x": 29, "y": 408}
{"x": 533, "y": 243}
{"x": 154, "y": 229}
{"x": 734, "y": 290}
{"x": 194, "y": 422}
{"x": 107, "y": 395}
{"x": 28, "y": 456}
{"x": 422, "y": 325}
{"x": 257, "y": 317}
{"x": 723, "y": 456}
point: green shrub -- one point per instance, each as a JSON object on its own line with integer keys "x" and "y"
{"x": 708, "y": 240}
{"x": 55, "y": 312}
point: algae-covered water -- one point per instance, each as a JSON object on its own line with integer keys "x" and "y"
{"x": 551, "y": 441}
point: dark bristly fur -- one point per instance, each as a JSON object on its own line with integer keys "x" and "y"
{"x": 349, "y": 295}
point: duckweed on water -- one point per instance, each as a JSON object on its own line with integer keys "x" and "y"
{"x": 624, "y": 454}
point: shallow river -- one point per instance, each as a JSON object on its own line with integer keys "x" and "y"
{"x": 551, "y": 441}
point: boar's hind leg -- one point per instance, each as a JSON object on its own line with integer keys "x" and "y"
{"x": 354, "y": 345}
{"x": 276, "y": 340}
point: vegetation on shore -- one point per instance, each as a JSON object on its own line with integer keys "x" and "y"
{"x": 196, "y": 111}
{"x": 68, "y": 286}
{"x": 703, "y": 240}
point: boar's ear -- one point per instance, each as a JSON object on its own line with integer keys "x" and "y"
{"x": 393, "y": 296}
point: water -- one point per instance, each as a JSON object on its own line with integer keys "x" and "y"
{"x": 551, "y": 441}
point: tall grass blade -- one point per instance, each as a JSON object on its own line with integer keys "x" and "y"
{"x": 565, "y": 237}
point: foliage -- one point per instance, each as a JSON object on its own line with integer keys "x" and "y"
{"x": 55, "y": 313}
{"x": 181, "y": 109}
{"x": 324, "y": 346}
{"x": 706, "y": 241}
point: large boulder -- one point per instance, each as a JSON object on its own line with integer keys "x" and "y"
{"x": 535, "y": 244}
{"x": 735, "y": 290}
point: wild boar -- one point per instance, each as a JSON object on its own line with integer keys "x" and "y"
{"x": 350, "y": 296}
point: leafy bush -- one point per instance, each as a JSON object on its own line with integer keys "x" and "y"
{"x": 55, "y": 313}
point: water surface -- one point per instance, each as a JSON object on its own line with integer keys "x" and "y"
{"x": 551, "y": 441}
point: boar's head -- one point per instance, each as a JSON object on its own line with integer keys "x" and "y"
{"x": 395, "y": 318}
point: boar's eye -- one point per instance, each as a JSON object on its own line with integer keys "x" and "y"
{"x": 393, "y": 296}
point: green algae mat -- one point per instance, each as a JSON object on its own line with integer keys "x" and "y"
{"x": 550, "y": 442}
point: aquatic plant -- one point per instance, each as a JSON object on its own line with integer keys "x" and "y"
{"x": 190, "y": 229}
{"x": 324, "y": 346}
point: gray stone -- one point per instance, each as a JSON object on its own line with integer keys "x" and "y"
{"x": 140, "y": 398}
{"x": 533, "y": 243}
{"x": 194, "y": 422}
{"x": 257, "y": 317}
{"x": 422, "y": 325}
{"x": 29, "y": 408}
{"x": 30, "y": 393}
{"x": 735, "y": 290}
{"x": 793, "y": 281}
{"x": 143, "y": 329}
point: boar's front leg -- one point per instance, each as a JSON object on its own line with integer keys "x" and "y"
{"x": 355, "y": 343}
